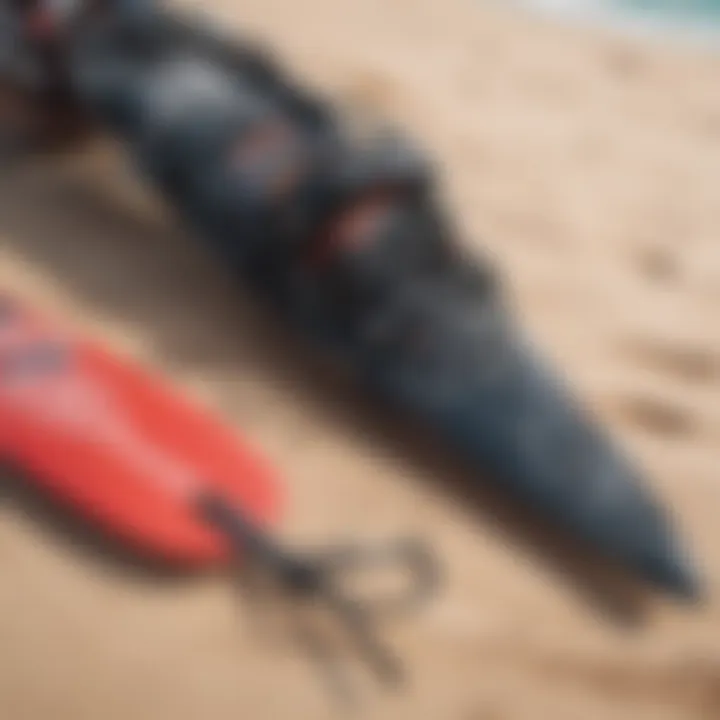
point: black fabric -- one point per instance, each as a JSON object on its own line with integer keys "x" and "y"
{"x": 186, "y": 99}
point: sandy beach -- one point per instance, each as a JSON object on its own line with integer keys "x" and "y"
{"x": 589, "y": 166}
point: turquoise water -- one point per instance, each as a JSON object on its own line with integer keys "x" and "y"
{"x": 696, "y": 10}
{"x": 699, "y": 19}
{"x": 696, "y": 7}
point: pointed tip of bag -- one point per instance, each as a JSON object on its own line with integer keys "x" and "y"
{"x": 676, "y": 575}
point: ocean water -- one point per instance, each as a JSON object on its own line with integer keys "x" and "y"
{"x": 697, "y": 20}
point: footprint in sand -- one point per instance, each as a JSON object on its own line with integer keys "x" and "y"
{"x": 662, "y": 416}
{"x": 658, "y": 264}
{"x": 658, "y": 416}
{"x": 691, "y": 364}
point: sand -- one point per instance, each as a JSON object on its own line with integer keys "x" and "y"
{"x": 589, "y": 167}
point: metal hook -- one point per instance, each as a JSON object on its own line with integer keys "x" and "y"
{"x": 316, "y": 576}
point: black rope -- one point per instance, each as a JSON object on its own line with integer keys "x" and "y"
{"x": 316, "y": 576}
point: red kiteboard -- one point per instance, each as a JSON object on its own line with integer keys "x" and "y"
{"x": 119, "y": 445}
{"x": 159, "y": 473}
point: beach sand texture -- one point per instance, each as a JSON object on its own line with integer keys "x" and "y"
{"x": 590, "y": 168}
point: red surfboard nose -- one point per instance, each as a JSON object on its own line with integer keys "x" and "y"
{"x": 119, "y": 445}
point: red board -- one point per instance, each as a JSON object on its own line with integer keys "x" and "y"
{"x": 118, "y": 444}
